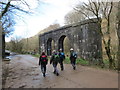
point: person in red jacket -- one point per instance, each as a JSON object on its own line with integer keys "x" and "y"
{"x": 43, "y": 60}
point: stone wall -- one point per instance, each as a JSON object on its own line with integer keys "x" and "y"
{"x": 84, "y": 38}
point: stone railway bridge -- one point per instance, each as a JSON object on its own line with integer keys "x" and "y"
{"x": 84, "y": 38}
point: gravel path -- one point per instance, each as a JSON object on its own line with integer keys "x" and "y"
{"x": 24, "y": 72}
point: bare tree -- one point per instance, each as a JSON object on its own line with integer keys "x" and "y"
{"x": 100, "y": 9}
{"x": 16, "y": 45}
{"x": 31, "y": 44}
{"x": 107, "y": 9}
{"x": 73, "y": 17}
{"x": 7, "y": 13}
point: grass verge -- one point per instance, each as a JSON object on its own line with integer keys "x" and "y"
{"x": 78, "y": 61}
{"x": 36, "y": 55}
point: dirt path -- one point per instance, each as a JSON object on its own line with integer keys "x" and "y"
{"x": 24, "y": 72}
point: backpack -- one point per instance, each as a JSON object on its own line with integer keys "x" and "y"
{"x": 44, "y": 59}
{"x": 56, "y": 58}
{"x": 74, "y": 55}
{"x": 62, "y": 55}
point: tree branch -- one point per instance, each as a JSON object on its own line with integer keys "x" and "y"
{"x": 5, "y": 10}
{"x": 8, "y": 5}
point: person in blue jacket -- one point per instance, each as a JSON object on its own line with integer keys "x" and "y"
{"x": 73, "y": 57}
{"x": 62, "y": 57}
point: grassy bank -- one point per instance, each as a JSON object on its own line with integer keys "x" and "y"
{"x": 78, "y": 61}
{"x": 82, "y": 62}
{"x": 86, "y": 63}
{"x": 36, "y": 55}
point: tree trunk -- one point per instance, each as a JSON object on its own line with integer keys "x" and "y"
{"x": 108, "y": 44}
{"x": 0, "y": 41}
{"x": 3, "y": 45}
{"x": 109, "y": 57}
{"x": 118, "y": 33}
{"x": 108, "y": 50}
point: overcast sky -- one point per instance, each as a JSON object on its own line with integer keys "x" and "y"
{"x": 46, "y": 13}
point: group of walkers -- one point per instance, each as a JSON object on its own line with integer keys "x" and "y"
{"x": 56, "y": 58}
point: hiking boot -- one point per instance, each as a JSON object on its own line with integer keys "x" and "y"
{"x": 74, "y": 68}
{"x": 43, "y": 74}
{"x": 54, "y": 72}
{"x": 57, "y": 74}
{"x": 62, "y": 69}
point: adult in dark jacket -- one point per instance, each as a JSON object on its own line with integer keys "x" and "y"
{"x": 43, "y": 60}
{"x": 73, "y": 57}
{"x": 55, "y": 60}
{"x": 62, "y": 57}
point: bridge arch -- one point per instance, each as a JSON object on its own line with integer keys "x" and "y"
{"x": 61, "y": 42}
{"x": 50, "y": 46}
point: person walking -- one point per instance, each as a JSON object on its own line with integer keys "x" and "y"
{"x": 43, "y": 60}
{"x": 55, "y": 60}
{"x": 73, "y": 57}
{"x": 62, "y": 57}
